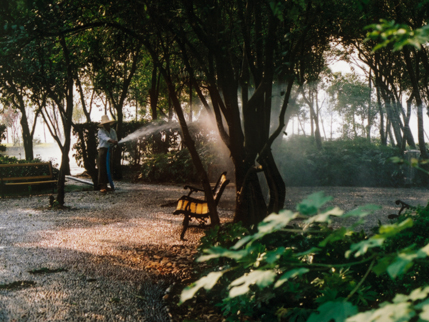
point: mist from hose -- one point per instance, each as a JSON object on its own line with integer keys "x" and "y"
{"x": 146, "y": 130}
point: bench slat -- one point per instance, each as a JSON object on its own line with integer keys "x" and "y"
{"x": 26, "y": 180}
{"x": 29, "y": 183}
{"x": 24, "y": 164}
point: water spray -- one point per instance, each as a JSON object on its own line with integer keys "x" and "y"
{"x": 146, "y": 130}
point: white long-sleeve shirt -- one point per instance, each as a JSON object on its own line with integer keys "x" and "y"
{"x": 104, "y": 137}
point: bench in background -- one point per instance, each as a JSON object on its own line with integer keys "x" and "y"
{"x": 26, "y": 174}
{"x": 196, "y": 208}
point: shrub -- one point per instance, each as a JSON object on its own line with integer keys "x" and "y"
{"x": 339, "y": 163}
{"x": 315, "y": 273}
{"x": 175, "y": 166}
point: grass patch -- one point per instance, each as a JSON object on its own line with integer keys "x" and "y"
{"x": 45, "y": 270}
{"x": 17, "y": 285}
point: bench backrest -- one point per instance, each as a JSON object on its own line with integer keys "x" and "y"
{"x": 220, "y": 187}
{"x": 30, "y": 171}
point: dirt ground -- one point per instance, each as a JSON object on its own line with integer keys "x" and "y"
{"x": 348, "y": 198}
{"x": 98, "y": 259}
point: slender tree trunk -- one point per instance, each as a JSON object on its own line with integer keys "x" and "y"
{"x": 380, "y": 111}
{"x": 153, "y": 94}
{"x": 419, "y": 103}
{"x": 27, "y": 138}
{"x": 368, "y": 127}
{"x": 67, "y": 124}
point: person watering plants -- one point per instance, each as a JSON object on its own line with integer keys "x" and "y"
{"x": 107, "y": 138}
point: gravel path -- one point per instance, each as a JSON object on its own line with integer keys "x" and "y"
{"x": 89, "y": 262}
{"x": 84, "y": 263}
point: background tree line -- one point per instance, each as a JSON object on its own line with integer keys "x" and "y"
{"x": 251, "y": 65}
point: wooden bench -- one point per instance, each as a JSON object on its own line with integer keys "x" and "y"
{"x": 29, "y": 174}
{"x": 198, "y": 209}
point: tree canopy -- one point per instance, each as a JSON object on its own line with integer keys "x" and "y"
{"x": 248, "y": 63}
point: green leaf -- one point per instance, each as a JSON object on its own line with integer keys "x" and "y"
{"x": 361, "y": 317}
{"x": 402, "y": 263}
{"x": 313, "y": 203}
{"x": 242, "y": 242}
{"x": 325, "y": 216}
{"x": 207, "y": 282}
{"x": 217, "y": 252}
{"x": 363, "y": 246}
{"x": 271, "y": 223}
{"x": 311, "y": 251}
{"x": 424, "y": 315}
{"x": 276, "y": 222}
{"x": 272, "y": 256}
{"x": 290, "y": 274}
{"x": 362, "y": 211}
{"x": 391, "y": 230}
{"x": 338, "y": 234}
{"x": 337, "y": 311}
{"x": 385, "y": 231}
{"x": 261, "y": 278}
{"x": 416, "y": 295}
{"x": 387, "y": 313}
{"x": 383, "y": 263}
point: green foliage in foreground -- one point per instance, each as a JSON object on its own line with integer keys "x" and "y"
{"x": 315, "y": 273}
{"x": 340, "y": 163}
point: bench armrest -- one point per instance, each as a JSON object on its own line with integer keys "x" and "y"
{"x": 193, "y": 189}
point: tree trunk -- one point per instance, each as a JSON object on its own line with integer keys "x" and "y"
{"x": 117, "y": 169}
{"x": 368, "y": 127}
{"x": 27, "y": 138}
{"x": 275, "y": 183}
{"x": 419, "y": 103}
{"x": 153, "y": 94}
{"x": 250, "y": 206}
{"x": 394, "y": 119}
{"x": 67, "y": 124}
{"x": 383, "y": 137}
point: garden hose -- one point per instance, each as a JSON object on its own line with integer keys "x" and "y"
{"x": 109, "y": 175}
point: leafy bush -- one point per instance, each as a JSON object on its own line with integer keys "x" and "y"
{"x": 315, "y": 273}
{"x": 175, "y": 166}
{"x": 339, "y": 163}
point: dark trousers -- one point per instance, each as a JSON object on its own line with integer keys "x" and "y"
{"x": 102, "y": 169}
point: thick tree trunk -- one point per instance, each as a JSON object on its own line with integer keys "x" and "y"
{"x": 88, "y": 144}
{"x": 250, "y": 204}
{"x": 275, "y": 183}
